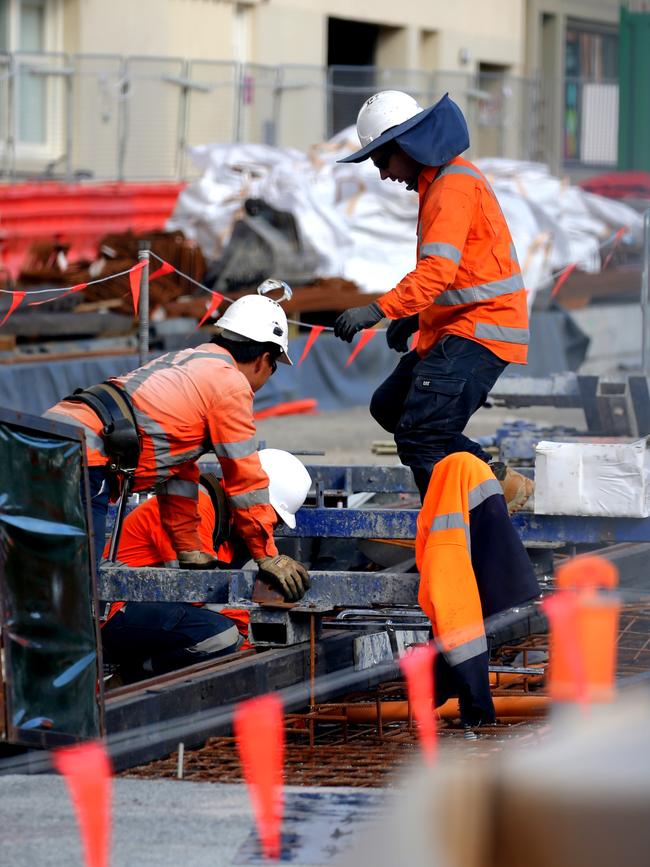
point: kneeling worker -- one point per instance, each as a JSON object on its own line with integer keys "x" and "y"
{"x": 150, "y": 638}
{"x": 472, "y": 565}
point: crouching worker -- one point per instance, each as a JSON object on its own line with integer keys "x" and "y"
{"x": 149, "y": 428}
{"x": 472, "y": 565}
{"x": 150, "y": 638}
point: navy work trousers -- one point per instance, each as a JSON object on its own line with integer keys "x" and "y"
{"x": 149, "y": 638}
{"x": 426, "y": 402}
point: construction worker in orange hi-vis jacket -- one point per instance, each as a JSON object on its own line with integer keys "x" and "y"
{"x": 465, "y": 296}
{"x": 162, "y": 417}
{"x": 472, "y": 565}
{"x": 148, "y": 638}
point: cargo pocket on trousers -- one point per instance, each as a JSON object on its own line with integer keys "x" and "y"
{"x": 431, "y": 401}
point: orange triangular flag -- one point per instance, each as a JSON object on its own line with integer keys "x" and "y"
{"x": 417, "y": 667}
{"x": 165, "y": 268}
{"x": 414, "y": 340}
{"x": 134, "y": 280}
{"x": 568, "y": 271}
{"x": 313, "y": 337}
{"x": 215, "y": 301}
{"x": 259, "y": 732}
{"x": 366, "y": 336}
{"x": 16, "y": 298}
{"x": 77, "y": 288}
{"x": 87, "y": 772}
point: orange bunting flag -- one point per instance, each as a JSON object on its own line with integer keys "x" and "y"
{"x": 615, "y": 243}
{"x": 165, "y": 268}
{"x": 87, "y": 772}
{"x": 366, "y": 336}
{"x": 316, "y": 330}
{"x": 215, "y": 301}
{"x": 16, "y": 298}
{"x": 414, "y": 340}
{"x": 134, "y": 280}
{"x": 562, "y": 278}
{"x": 259, "y": 732}
{"x": 417, "y": 667}
{"x": 69, "y": 291}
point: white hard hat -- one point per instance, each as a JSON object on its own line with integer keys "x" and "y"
{"x": 289, "y": 482}
{"x": 384, "y": 111}
{"x": 257, "y": 317}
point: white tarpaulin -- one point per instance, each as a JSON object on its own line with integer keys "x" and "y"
{"x": 364, "y": 229}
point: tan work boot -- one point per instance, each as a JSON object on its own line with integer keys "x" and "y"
{"x": 517, "y": 488}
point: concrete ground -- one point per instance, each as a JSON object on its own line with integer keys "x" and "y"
{"x": 346, "y": 436}
{"x": 167, "y": 823}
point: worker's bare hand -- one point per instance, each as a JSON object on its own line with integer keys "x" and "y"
{"x": 357, "y": 318}
{"x": 290, "y": 576}
{"x": 399, "y": 331}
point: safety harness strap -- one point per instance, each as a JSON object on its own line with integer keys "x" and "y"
{"x": 119, "y": 430}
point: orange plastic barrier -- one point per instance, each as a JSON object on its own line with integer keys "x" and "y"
{"x": 78, "y": 214}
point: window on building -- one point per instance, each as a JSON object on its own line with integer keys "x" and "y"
{"x": 33, "y": 88}
{"x": 590, "y": 93}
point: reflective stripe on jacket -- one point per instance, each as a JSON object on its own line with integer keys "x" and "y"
{"x": 449, "y": 593}
{"x": 467, "y": 280}
{"x": 188, "y": 403}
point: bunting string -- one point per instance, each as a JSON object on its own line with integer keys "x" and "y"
{"x": 216, "y": 298}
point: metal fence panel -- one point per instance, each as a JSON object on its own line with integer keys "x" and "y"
{"x": 211, "y": 107}
{"x": 152, "y": 117}
{"x": 6, "y": 139}
{"x": 98, "y": 99}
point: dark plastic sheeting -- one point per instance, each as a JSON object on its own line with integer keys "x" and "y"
{"x": 50, "y": 639}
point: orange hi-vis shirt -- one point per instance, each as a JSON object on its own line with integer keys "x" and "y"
{"x": 143, "y": 542}
{"x": 449, "y": 593}
{"x": 187, "y": 403}
{"x": 467, "y": 280}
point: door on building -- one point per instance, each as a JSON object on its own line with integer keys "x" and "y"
{"x": 351, "y": 54}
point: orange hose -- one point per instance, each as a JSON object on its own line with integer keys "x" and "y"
{"x": 506, "y": 707}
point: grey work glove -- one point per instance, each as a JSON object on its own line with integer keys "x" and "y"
{"x": 357, "y": 318}
{"x": 196, "y": 560}
{"x": 290, "y": 576}
{"x": 400, "y": 330}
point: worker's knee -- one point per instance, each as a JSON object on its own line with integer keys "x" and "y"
{"x": 384, "y": 410}
{"x": 222, "y": 641}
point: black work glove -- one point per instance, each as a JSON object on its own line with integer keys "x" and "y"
{"x": 357, "y": 318}
{"x": 400, "y": 330}
{"x": 288, "y": 575}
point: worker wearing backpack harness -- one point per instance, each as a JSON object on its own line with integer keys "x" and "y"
{"x": 157, "y": 421}
{"x": 150, "y": 638}
{"x": 465, "y": 296}
{"x": 472, "y": 565}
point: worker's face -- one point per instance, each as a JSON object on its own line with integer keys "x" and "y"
{"x": 263, "y": 368}
{"x": 391, "y": 162}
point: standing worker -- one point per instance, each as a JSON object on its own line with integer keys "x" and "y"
{"x": 472, "y": 565}
{"x": 151, "y": 638}
{"x": 465, "y": 296}
{"x": 162, "y": 417}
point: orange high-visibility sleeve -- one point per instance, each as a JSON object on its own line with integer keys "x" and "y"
{"x": 467, "y": 280}
{"x": 144, "y": 542}
{"x": 178, "y": 504}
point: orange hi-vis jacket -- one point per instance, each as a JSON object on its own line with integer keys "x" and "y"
{"x": 187, "y": 403}
{"x": 449, "y": 593}
{"x": 467, "y": 280}
{"x": 143, "y": 542}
